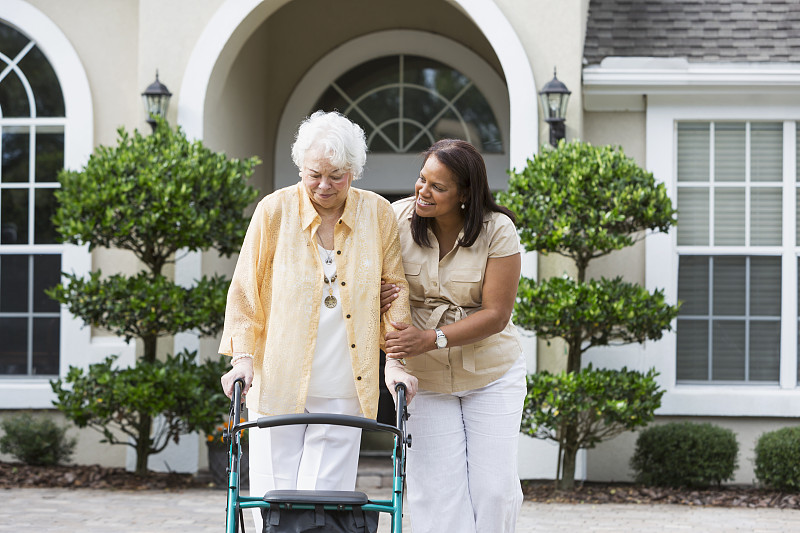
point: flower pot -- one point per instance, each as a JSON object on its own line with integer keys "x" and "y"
{"x": 218, "y": 467}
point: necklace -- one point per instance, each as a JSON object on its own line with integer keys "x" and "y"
{"x": 328, "y": 256}
{"x": 330, "y": 299}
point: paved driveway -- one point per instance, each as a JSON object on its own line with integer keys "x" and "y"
{"x": 200, "y": 511}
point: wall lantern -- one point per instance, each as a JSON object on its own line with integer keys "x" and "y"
{"x": 156, "y": 100}
{"x": 554, "y": 96}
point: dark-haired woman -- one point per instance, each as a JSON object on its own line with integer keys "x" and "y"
{"x": 461, "y": 257}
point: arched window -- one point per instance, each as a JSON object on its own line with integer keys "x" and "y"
{"x": 405, "y": 103}
{"x": 32, "y": 124}
{"x": 407, "y": 89}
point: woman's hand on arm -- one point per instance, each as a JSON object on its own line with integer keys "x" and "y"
{"x": 408, "y": 341}
{"x": 389, "y": 293}
{"x": 243, "y": 370}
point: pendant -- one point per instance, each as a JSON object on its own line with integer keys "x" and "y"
{"x": 330, "y": 302}
{"x": 329, "y": 261}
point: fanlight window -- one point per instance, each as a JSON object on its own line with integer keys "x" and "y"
{"x": 405, "y": 103}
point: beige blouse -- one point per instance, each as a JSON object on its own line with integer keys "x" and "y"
{"x": 442, "y": 292}
{"x": 273, "y": 306}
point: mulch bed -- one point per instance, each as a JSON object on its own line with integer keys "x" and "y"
{"x": 596, "y": 493}
{"x": 16, "y": 475}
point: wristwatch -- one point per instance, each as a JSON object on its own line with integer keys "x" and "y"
{"x": 441, "y": 339}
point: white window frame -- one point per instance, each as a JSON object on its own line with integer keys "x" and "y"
{"x": 676, "y": 91}
{"x": 77, "y": 347}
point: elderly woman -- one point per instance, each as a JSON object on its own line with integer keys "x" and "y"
{"x": 462, "y": 262}
{"x": 302, "y": 322}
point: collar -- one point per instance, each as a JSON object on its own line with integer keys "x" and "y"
{"x": 309, "y": 215}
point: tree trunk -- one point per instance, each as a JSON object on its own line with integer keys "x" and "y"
{"x": 567, "y": 480}
{"x": 149, "y": 342}
{"x": 143, "y": 444}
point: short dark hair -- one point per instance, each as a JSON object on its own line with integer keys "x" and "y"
{"x": 469, "y": 170}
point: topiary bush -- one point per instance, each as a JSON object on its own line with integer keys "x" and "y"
{"x": 778, "y": 459}
{"x": 685, "y": 454}
{"x": 36, "y": 441}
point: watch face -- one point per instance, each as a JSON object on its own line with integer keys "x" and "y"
{"x": 441, "y": 340}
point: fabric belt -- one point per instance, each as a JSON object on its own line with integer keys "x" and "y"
{"x": 468, "y": 350}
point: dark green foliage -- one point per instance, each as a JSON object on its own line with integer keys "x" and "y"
{"x": 593, "y": 313}
{"x": 186, "y": 395}
{"x": 157, "y": 196}
{"x": 600, "y": 403}
{"x": 685, "y": 454}
{"x": 584, "y": 202}
{"x": 778, "y": 459}
{"x": 145, "y": 305}
{"x": 36, "y": 441}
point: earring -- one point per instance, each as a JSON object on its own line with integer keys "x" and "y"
{"x": 463, "y": 206}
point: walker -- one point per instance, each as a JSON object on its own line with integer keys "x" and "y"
{"x": 336, "y": 506}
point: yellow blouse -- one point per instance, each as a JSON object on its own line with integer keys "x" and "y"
{"x": 273, "y": 305}
{"x": 442, "y": 292}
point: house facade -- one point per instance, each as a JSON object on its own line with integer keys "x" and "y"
{"x": 703, "y": 94}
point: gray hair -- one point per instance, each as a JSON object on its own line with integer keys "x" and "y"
{"x": 341, "y": 140}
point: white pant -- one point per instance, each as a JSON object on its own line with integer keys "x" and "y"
{"x": 462, "y": 465}
{"x": 305, "y": 457}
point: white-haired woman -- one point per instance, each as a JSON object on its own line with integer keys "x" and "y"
{"x": 302, "y": 323}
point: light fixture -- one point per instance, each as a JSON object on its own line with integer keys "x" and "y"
{"x": 156, "y": 100}
{"x": 554, "y": 96}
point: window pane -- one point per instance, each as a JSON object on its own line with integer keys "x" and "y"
{"x": 475, "y": 111}
{"x": 434, "y": 76}
{"x": 729, "y": 286}
{"x": 13, "y": 97}
{"x": 765, "y": 286}
{"x": 729, "y": 217}
{"x": 11, "y": 41}
{"x": 693, "y": 285}
{"x": 728, "y": 350}
{"x": 693, "y": 151}
{"x": 45, "y": 346}
{"x": 16, "y": 154}
{"x": 766, "y": 214}
{"x": 14, "y": 348}
{"x": 44, "y": 230}
{"x": 49, "y": 153}
{"x": 46, "y": 275}
{"x": 692, "y": 358}
{"x": 766, "y": 151}
{"x": 44, "y": 83}
{"x": 13, "y": 284}
{"x": 14, "y": 216}
{"x": 765, "y": 348}
{"x": 729, "y": 151}
{"x": 693, "y": 216}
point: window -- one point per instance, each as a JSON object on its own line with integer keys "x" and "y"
{"x": 32, "y": 126}
{"x": 730, "y": 190}
{"x": 405, "y": 103}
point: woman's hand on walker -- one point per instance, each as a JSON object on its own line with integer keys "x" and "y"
{"x": 389, "y": 293}
{"x": 408, "y": 341}
{"x": 394, "y": 373}
{"x": 243, "y": 370}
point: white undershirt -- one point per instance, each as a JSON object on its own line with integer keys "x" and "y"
{"x": 332, "y": 370}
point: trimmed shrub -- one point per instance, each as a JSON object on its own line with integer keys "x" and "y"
{"x": 778, "y": 459}
{"x": 36, "y": 441}
{"x": 685, "y": 454}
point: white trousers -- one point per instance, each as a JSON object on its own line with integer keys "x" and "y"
{"x": 305, "y": 457}
{"x": 462, "y": 465}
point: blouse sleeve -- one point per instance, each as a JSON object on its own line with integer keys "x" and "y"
{"x": 392, "y": 271}
{"x": 504, "y": 240}
{"x": 244, "y": 314}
